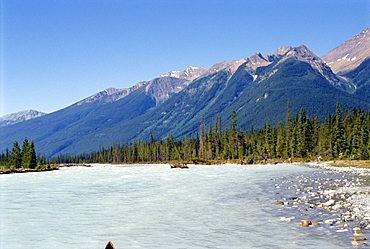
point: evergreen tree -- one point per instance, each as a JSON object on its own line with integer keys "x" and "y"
{"x": 16, "y": 156}
{"x": 26, "y": 154}
{"x": 338, "y": 142}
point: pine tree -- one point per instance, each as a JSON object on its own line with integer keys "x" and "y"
{"x": 26, "y": 154}
{"x": 16, "y": 156}
{"x": 280, "y": 140}
{"x": 32, "y": 163}
{"x": 338, "y": 142}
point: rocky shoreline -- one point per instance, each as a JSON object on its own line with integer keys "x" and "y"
{"x": 334, "y": 198}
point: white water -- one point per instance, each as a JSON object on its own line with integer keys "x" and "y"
{"x": 150, "y": 206}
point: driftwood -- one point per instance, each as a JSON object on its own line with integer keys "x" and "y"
{"x": 109, "y": 245}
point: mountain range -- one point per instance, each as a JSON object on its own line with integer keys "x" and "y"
{"x": 257, "y": 88}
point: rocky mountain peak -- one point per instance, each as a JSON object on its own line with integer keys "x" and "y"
{"x": 278, "y": 53}
{"x": 229, "y": 65}
{"x": 21, "y": 116}
{"x": 189, "y": 73}
{"x": 111, "y": 94}
{"x": 259, "y": 60}
{"x": 302, "y": 53}
{"x": 282, "y": 50}
{"x": 350, "y": 54}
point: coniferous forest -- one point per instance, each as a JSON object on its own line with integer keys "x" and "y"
{"x": 21, "y": 157}
{"x": 300, "y": 137}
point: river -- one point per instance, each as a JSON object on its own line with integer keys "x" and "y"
{"x": 151, "y": 206}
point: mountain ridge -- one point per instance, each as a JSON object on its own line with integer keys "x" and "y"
{"x": 257, "y": 88}
{"x": 350, "y": 53}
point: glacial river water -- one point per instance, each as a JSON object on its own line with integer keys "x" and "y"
{"x": 151, "y": 206}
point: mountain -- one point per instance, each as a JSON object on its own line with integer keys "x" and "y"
{"x": 360, "y": 77}
{"x": 298, "y": 76}
{"x": 258, "y": 88}
{"x": 350, "y": 54}
{"x": 21, "y": 116}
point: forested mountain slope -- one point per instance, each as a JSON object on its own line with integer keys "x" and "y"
{"x": 257, "y": 89}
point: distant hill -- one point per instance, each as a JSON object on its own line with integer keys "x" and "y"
{"x": 21, "y": 116}
{"x": 258, "y": 88}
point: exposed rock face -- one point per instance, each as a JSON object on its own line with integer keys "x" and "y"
{"x": 278, "y": 53}
{"x": 259, "y": 60}
{"x": 111, "y": 94}
{"x": 162, "y": 87}
{"x": 21, "y": 116}
{"x": 350, "y": 53}
{"x": 189, "y": 73}
{"x": 159, "y": 88}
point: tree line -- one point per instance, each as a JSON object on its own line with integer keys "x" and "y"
{"x": 24, "y": 157}
{"x": 299, "y": 137}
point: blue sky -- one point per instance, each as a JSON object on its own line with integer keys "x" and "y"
{"x": 57, "y": 52}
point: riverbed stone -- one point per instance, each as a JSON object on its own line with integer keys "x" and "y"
{"x": 357, "y": 243}
{"x": 330, "y": 222}
{"x": 329, "y": 203}
{"x": 287, "y": 219}
{"x": 357, "y": 230}
{"x": 359, "y": 238}
{"x": 305, "y": 223}
{"x": 337, "y": 206}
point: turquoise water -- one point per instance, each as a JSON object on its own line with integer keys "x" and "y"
{"x": 150, "y": 206}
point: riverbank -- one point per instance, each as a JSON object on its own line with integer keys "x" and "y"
{"x": 15, "y": 171}
{"x": 42, "y": 169}
{"x": 336, "y": 198}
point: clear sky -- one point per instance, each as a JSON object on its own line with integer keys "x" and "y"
{"x": 57, "y": 52}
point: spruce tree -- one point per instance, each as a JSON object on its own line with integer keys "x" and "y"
{"x": 26, "y": 154}
{"x": 338, "y": 134}
{"x": 16, "y": 156}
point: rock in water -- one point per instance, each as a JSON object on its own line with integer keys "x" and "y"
{"x": 109, "y": 245}
{"x": 357, "y": 243}
{"x": 361, "y": 238}
{"x": 305, "y": 223}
